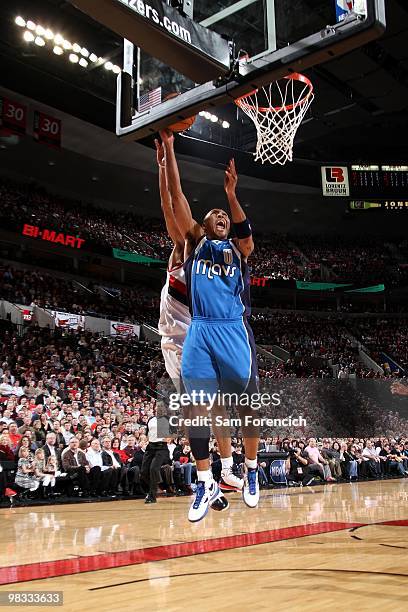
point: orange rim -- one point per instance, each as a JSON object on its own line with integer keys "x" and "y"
{"x": 296, "y": 76}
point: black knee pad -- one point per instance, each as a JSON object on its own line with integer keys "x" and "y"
{"x": 199, "y": 438}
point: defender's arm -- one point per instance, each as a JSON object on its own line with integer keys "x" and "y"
{"x": 165, "y": 199}
{"x": 189, "y": 228}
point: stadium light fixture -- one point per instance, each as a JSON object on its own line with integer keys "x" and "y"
{"x": 41, "y": 35}
{"x": 28, "y": 36}
{"x": 225, "y": 125}
{"x": 214, "y": 118}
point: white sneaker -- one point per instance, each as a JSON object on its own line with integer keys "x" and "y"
{"x": 206, "y": 493}
{"x": 250, "y": 492}
{"x": 230, "y": 482}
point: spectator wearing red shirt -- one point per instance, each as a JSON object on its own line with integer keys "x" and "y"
{"x": 14, "y": 436}
{"x": 6, "y": 452}
{"x": 124, "y": 457}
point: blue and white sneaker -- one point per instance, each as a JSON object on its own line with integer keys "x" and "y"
{"x": 250, "y": 492}
{"x": 206, "y": 493}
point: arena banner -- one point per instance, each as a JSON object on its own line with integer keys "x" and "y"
{"x": 27, "y": 312}
{"x": 13, "y": 117}
{"x": 136, "y": 257}
{"x": 68, "y": 320}
{"x": 47, "y": 129}
{"x": 124, "y": 329}
{"x": 264, "y": 282}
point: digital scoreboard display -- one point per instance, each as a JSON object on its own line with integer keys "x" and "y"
{"x": 379, "y": 182}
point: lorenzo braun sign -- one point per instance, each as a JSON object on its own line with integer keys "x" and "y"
{"x": 335, "y": 181}
{"x": 33, "y": 231}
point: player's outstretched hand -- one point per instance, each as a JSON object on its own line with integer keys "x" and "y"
{"x": 161, "y": 161}
{"x": 231, "y": 177}
{"x": 167, "y": 137}
{"x": 398, "y": 388}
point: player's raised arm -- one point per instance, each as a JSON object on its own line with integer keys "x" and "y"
{"x": 165, "y": 199}
{"x": 239, "y": 219}
{"x": 188, "y": 227}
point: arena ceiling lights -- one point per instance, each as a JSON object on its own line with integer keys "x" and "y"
{"x": 76, "y": 53}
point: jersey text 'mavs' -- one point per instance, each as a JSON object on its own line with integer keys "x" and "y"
{"x": 206, "y": 266}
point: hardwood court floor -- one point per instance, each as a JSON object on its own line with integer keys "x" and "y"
{"x": 340, "y": 545}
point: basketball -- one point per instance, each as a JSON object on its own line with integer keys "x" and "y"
{"x": 183, "y": 124}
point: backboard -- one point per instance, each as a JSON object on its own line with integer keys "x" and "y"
{"x": 240, "y": 44}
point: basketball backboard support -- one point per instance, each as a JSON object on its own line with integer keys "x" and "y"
{"x": 272, "y": 38}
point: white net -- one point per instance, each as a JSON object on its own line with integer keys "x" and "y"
{"x": 277, "y": 111}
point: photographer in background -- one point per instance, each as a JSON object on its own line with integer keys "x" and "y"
{"x": 298, "y": 469}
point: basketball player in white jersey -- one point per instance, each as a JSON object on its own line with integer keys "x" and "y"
{"x": 175, "y": 317}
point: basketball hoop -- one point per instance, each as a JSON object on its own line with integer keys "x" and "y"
{"x": 278, "y": 119}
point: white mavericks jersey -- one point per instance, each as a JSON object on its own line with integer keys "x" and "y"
{"x": 175, "y": 315}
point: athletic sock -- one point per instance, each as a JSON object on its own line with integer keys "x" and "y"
{"x": 252, "y": 464}
{"x": 227, "y": 462}
{"x": 204, "y": 476}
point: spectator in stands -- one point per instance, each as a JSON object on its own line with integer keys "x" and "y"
{"x": 373, "y": 461}
{"x": 26, "y": 426}
{"x": 316, "y": 459}
{"x": 75, "y": 464}
{"x": 14, "y": 436}
{"x": 51, "y": 449}
{"x": 101, "y": 474}
{"x": 6, "y": 450}
{"x": 348, "y": 459}
{"x": 332, "y": 456}
{"x": 112, "y": 461}
{"x": 183, "y": 461}
{"x": 130, "y": 480}
{"x": 6, "y": 388}
{"x": 39, "y": 432}
{"x": 26, "y": 442}
{"x": 25, "y": 477}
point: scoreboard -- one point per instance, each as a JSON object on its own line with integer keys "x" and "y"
{"x": 379, "y": 182}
